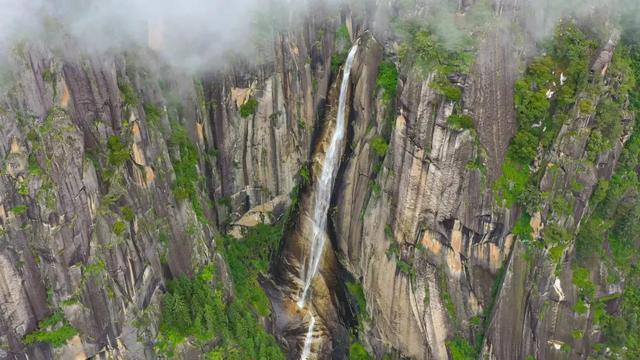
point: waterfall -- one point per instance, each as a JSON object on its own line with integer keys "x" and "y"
{"x": 325, "y": 182}
{"x": 307, "y": 340}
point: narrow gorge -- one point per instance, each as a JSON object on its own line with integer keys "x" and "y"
{"x": 321, "y": 179}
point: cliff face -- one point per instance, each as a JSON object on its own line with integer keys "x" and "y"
{"x": 119, "y": 173}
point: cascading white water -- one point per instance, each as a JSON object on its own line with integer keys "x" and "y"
{"x": 307, "y": 340}
{"x": 324, "y": 186}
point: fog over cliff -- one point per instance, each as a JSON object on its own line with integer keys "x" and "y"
{"x": 203, "y": 34}
{"x": 191, "y": 34}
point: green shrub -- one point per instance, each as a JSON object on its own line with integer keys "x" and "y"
{"x": 580, "y": 307}
{"x": 556, "y": 252}
{"x": 531, "y": 199}
{"x": 582, "y": 280}
{"x": 406, "y": 268}
{"x": 555, "y": 234}
{"x": 128, "y": 94}
{"x": 445, "y": 297}
{"x": 460, "y": 349}
{"x": 249, "y": 107}
{"x": 379, "y": 146}
{"x": 119, "y": 228}
{"x": 358, "y": 352}
{"x": 524, "y": 147}
{"x": 586, "y": 106}
{"x": 23, "y": 188}
{"x": 93, "y": 269}
{"x": 591, "y": 237}
{"x": 376, "y": 189}
{"x": 512, "y": 183}
{"x": 387, "y": 80}
{"x": 33, "y": 167}
{"x": 450, "y": 91}
{"x": 54, "y": 330}
{"x": 460, "y": 121}
{"x": 19, "y": 210}
{"x": 118, "y": 153}
{"x": 531, "y": 106}
{"x": 337, "y": 60}
{"x": 127, "y": 214}
{"x": 561, "y": 205}
{"x": 608, "y": 119}
{"x": 388, "y": 232}
{"x": 393, "y": 250}
{"x": 577, "y": 334}
{"x": 49, "y": 76}
{"x": 342, "y": 34}
{"x": 152, "y": 112}
{"x": 185, "y": 167}
{"x": 427, "y": 52}
{"x": 614, "y": 220}
{"x": 305, "y": 174}
{"x": 597, "y": 145}
{"x": 523, "y": 228}
{"x": 356, "y": 291}
{"x": 572, "y": 50}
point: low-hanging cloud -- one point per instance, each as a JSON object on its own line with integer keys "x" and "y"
{"x": 191, "y": 34}
{"x": 202, "y": 34}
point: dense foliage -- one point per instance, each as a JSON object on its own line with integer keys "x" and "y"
{"x": 197, "y": 310}
{"x": 612, "y": 235}
{"x": 541, "y": 105}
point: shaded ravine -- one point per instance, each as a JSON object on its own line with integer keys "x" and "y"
{"x": 323, "y": 197}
